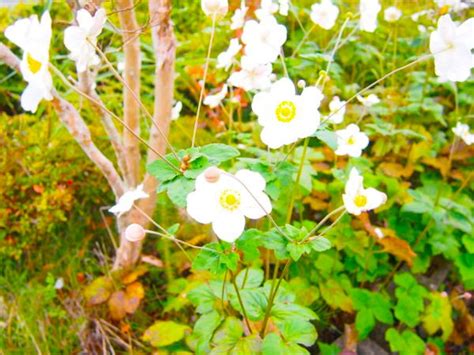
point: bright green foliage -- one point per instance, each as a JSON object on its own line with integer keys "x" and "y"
{"x": 229, "y": 339}
{"x": 438, "y": 315}
{"x": 165, "y": 333}
{"x": 216, "y": 258}
{"x": 410, "y": 297}
{"x": 405, "y": 343}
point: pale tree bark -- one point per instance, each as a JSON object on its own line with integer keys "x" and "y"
{"x": 131, "y": 93}
{"x": 164, "y": 45}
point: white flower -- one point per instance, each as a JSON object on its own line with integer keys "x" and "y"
{"x": 238, "y": 18}
{"x": 263, "y": 39}
{"x": 357, "y": 199}
{"x": 223, "y": 200}
{"x": 324, "y": 14}
{"x": 125, "y": 202}
{"x": 267, "y": 8}
{"x": 33, "y": 37}
{"x": 176, "y": 110}
{"x": 462, "y": 131}
{"x": 337, "y": 109}
{"x": 217, "y": 8}
{"x": 392, "y": 14}
{"x": 451, "y": 46}
{"x": 224, "y": 59}
{"x": 81, "y": 40}
{"x": 351, "y": 141}
{"x": 286, "y": 116}
{"x": 59, "y": 284}
{"x": 284, "y": 7}
{"x": 368, "y": 101}
{"x": 454, "y": 5}
{"x": 214, "y": 100}
{"x": 252, "y": 76}
{"x": 369, "y": 10}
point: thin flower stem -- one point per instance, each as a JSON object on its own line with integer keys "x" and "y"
{"x": 136, "y": 98}
{"x": 305, "y": 37}
{"x": 296, "y": 185}
{"x": 232, "y": 277}
{"x": 315, "y": 229}
{"x": 282, "y": 57}
{"x": 173, "y": 238}
{"x": 203, "y": 87}
{"x": 328, "y": 228}
{"x": 99, "y": 104}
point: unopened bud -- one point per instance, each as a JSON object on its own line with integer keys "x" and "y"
{"x": 301, "y": 84}
{"x": 134, "y": 233}
{"x": 444, "y": 294}
{"x": 212, "y": 174}
{"x": 467, "y": 295}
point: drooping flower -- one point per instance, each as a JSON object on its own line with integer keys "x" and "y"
{"x": 368, "y": 101}
{"x": 81, "y": 40}
{"x": 224, "y": 59}
{"x": 267, "y": 8}
{"x": 286, "y": 116}
{"x": 238, "y": 18}
{"x": 33, "y": 37}
{"x": 252, "y": 76}
{"x": 263, "y": 40}
{"x": 392, "y": 14}
{"x": 324, "y": 14}
{"x": 351, "y": 141}
{"x": 214, "y": 100}
{"x": 337, "y": 109}
{"x": 215, "y": 8}
{"x": 369, "y": 10}
{"x": 357, "y": 199}
{"x": 125, "y": 202}
{"x": 451, "y": 47}
{"x": 462, "y": 131}
{"x": 176, "y": 110}
{"x": 284, "y": 7}
{"x": 225, "y": 200}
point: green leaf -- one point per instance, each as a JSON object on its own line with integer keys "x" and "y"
{"x": 282, "y": 312}
{"x": 320, "y": 244}
{"x": 273, "y": 240}
{"x": 298, "y": 331}
{"x": 249, "y": 278}
{"x": 98, "y": 291}
{"x": 164, "y": 333}
{"x": 248, "y": 244}
{"x": 381, "y": 308}
{"x": 162, "y": 171}
{"x": 216, "y": 258}
{"x": 196, "y": 167}
{"x": 364, "y": 323}
{"x": 329, "y": 349}
{"x": 410, "y": 297}
{"x": 405, "y": 343}
{"x": 179, "y": 189}
{"x": 274, "y": 345}
{"x": 327, "y": 137}
{"x": 254, "y": 300}
{"x": 218, "y": 153}
{"x": 228, "y": 339}
{"x": 438, "y": 316}
{"x": 296, "y": 250}
{"x": 204, "y": 329}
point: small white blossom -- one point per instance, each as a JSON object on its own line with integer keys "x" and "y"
{"x": 238, "y": 18}
{"x": 176, "y": 110}
{"x": 33, "y": 37}
{"x": 286, "y": 116}
{"x": 125, "y": 202}
{"x": 337, "y": 109}
{"x": 462, "y": 131}
{"x": 252, "y": 76}
{"x": 267, "y": 8}
{"x": 224, "y": 59}
{"x": 59, "y": 284}
{"x": 225, "y": 201}
{"x": 392, "y": 14}
{"x": 81, "y": 40}
{"x": 452, "y": 5}
{"x": 284, "y": 7}
{"x": 215, "y": 8}
{"x": 357, "y": 199}
{"x": 351, "y": 141}
{"x": 214, "y": 100}
{"x": 369, "y": 10}
{"x": 368, "y": 101}
{"x": 263, "y": 40}
{"x": 324, "y": 14}
{"x": 451, "y": 47}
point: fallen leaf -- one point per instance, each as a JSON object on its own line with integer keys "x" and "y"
{"x": 117, "y": 305}
{"x": 98, "y": 291}
{"x": 164, "y": 333}
{"x": 134, "y": 274}
{"x": 396, "y": 169}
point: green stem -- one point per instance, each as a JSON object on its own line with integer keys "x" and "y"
{"x": 298, "y": 177}
{"x": 246, "y": 319}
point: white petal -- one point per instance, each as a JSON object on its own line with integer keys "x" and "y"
{"x": 256, "y": 206}
{"x": 228, "y": 226}
{"x": 84, "y": 19}
{"x": 74, "y": 38}
{"x": 18, "y": 33}
{"x": 350, "y": 206}
{"x": 251, "y": 179}
{"x": 201, "y": 207}
{"x": 375, "y": 198}
{"x": 99, "y": 20}
{"x": 31, "y": 97}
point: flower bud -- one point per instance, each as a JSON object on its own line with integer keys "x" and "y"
{"x": 215, "y": 7}
{"x": 212, "y": 174}
{"x": 301, "y": 84}
{"x": 134, "y": 233}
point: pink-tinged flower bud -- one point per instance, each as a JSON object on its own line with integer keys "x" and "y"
{"x": 212, "y": 174}
{"x": 134, "y": 233}
{"x": 467, "y": 295}
{"x": 444, "y": 294}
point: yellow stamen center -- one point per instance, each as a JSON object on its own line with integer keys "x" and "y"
{"x": 230, "y": 199}
{"x": 33, "y": 64}
{"x": 285, "y": 111}
{"x": 351, "y": 140}
{"x": 360, "y": 200}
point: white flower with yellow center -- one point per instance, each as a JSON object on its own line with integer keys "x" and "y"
{"x": 81, "y": 40}
{"x": 214, "y": 100}
{"x": 351, "y": 141}
{"x": 224, "y": 59}
{"x": 125, "y": 202}
{"x": 462, "y": 131}
{"x": 252, "y": 76}
{"x": 324, "y": 14}
{"x": 337, "y": 109}
{"x": 451, "y": 47}
{"x": 215, "y": 8}
{"x": 392, "y": 14}
{"x": 33, "y": 37}
{"x": 357, "y": 199}
{"x": 368, "y": 101}
{"x": 225, "y": 200}
{"x": 286, "y": 116}
{"x": 238, "y": 18}
{"x": 369, "y": 10}
{"x": 263, "y": 40}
